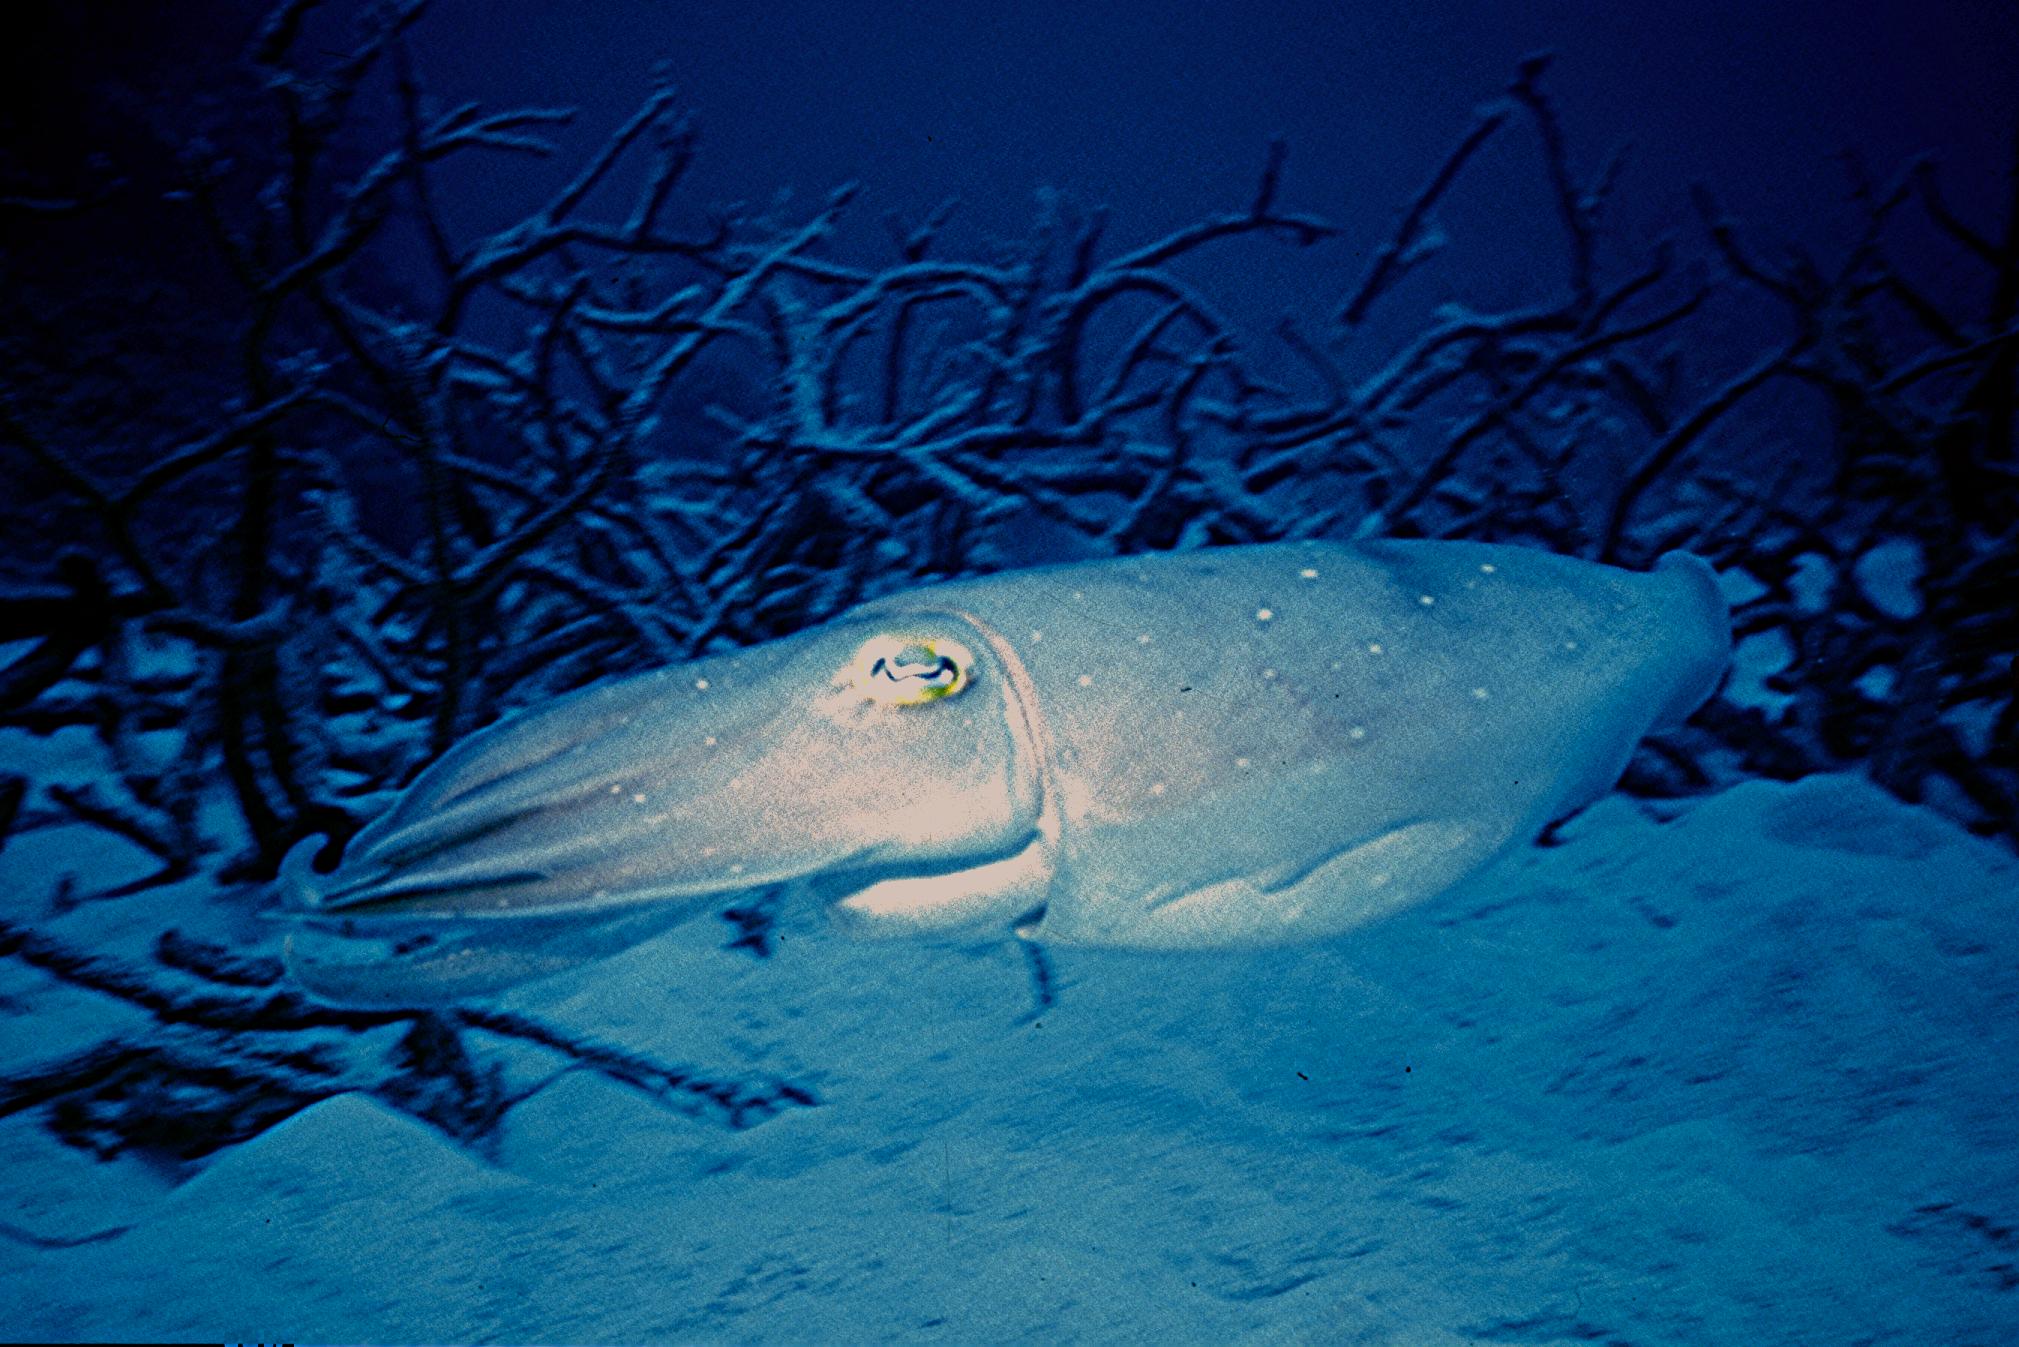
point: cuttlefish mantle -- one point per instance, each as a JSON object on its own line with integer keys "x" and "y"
{"x": 1222, "y": 748}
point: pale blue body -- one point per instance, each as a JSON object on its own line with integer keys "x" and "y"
{"x": 1229, "y": 747}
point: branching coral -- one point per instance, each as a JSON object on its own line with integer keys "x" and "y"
{"x": 536, "y": 394}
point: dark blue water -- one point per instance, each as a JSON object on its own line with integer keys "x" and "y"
{"x": 1450, "y": 942}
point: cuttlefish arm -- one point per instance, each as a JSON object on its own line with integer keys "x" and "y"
{"x": 1230, "y": 747}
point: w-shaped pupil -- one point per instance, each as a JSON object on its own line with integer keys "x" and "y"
{"x": 930, "y": 669}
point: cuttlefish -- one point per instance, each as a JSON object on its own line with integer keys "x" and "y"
{"x": 1222, "y": 748}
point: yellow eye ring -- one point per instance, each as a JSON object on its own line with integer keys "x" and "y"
{"x": 911, "y": 670}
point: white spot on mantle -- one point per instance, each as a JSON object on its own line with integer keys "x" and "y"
{"x": 1264, "y": 614}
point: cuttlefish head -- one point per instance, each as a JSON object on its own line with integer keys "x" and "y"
{"x": 870, "y": 757}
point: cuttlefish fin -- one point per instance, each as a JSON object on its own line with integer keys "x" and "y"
{"x": 1361, "y": 881}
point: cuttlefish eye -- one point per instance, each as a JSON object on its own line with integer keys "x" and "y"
{"x": 909, "y": 670}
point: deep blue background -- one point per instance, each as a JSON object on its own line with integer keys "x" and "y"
{"x": 1160, "y": 110}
